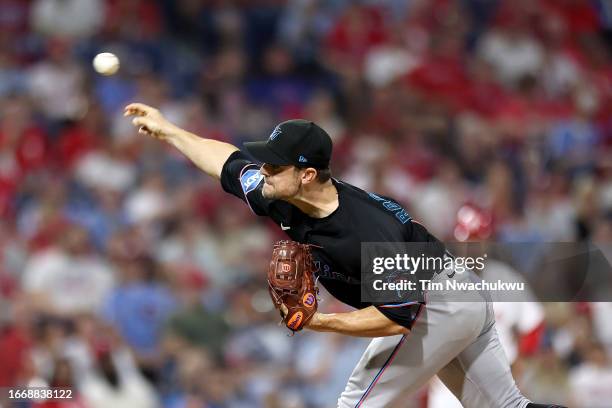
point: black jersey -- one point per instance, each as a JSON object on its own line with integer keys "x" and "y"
{"x": 360, "y": 217}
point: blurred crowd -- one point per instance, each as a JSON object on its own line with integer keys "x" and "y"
{"x": 129, "y": 276}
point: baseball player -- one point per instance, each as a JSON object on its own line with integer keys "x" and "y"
{"x": 412, "y": 341}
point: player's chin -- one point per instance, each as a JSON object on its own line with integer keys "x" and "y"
{"x": 269, "y": 192}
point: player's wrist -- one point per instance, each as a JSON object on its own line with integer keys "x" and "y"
{"x": 177, "y": 136}
{"x": 317, "y": 322}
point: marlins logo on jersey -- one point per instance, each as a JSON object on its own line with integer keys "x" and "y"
{"x": 250, "y": 179}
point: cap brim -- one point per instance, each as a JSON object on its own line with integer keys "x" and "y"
{"x": 261, "y": 152}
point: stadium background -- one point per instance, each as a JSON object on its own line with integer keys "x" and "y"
{"x": 121, "y": 264}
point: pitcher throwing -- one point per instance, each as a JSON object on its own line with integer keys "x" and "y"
{"x": 413, "y": 341}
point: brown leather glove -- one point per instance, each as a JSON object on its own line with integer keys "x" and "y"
{"x": 291, "y": 283}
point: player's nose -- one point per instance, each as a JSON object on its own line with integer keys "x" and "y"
{"x": 264, "y": 170}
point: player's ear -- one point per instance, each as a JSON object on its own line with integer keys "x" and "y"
{"x": 309, "y": 175}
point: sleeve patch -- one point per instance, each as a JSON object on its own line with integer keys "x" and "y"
{"x": 250, "y": 179}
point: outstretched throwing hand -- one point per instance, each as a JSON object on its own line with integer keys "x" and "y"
{"x": 149, "y": 121}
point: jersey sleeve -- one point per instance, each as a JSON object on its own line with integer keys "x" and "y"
{"x": 404, "y": 314}
{"x": 241, "y": 178}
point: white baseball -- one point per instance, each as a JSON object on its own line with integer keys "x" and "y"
{"x": 106, "y": 63}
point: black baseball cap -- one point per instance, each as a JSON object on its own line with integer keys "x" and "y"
{"x": 296, "y": 142}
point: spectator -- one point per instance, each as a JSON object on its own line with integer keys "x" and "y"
{"x": 591, "y": 382}
{"x": 72, "y": 18}
{"x": 193, "y": 323}
{"x": 58, "y": 78}
{"x": 149, "y": 202}
{"x": 67, "y": 278}
{"x": 24, "y": 148}
{"x": 512, "y": 50}
{"x": 106, "y": 168}
{"x": 139, "y": 307}
{"x": 117, "y": 383}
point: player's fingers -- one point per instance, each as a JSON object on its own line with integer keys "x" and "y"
{"x": 144, "y": 126}
{"x": 139, "y": 122}
{"x": 137, "y": 106}
{"x": 131, "y": 110}
{"x": 139, "y": 109}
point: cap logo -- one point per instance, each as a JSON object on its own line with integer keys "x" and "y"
{"x": 302, "y": 159}
{"x": 277, "y": 131}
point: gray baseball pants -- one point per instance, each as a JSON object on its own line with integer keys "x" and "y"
{"x": 455, "y": 340}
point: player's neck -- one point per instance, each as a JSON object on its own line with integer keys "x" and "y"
{"x": 317, "y": 201}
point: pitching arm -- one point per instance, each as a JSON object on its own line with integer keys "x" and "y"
{"x": 209, "y": 155}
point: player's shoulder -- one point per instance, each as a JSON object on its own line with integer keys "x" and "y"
{"x": 354, "y": 191}
{"x": 349, "y": 190}
{"x": 250, "y": 177}
{"x": 369, "y": 201}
